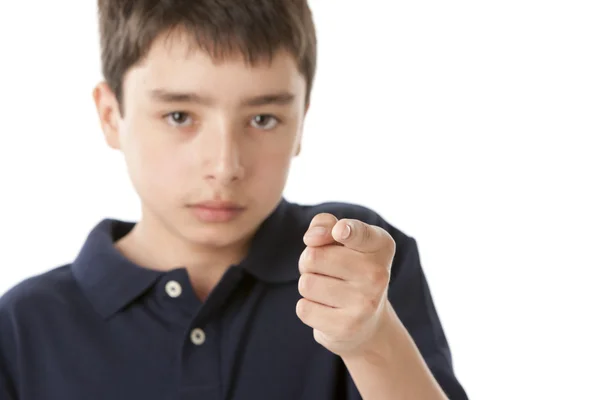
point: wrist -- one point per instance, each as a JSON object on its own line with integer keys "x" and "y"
{"x": 384, "y": 341}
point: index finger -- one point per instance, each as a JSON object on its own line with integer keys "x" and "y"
{"x": 362, "y": 237}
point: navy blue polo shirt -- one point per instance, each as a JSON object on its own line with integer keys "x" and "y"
{"x": 103, "y": 327}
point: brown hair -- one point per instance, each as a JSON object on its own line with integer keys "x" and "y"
{"x": 255, "y": 28}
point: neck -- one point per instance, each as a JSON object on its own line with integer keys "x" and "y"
{"x": 152, "y": 245}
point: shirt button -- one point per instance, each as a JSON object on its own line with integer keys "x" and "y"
{"x": 198, "y": 336}
{"x": 173, "y": 289}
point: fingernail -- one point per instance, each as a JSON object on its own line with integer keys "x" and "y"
{"x": 316, "y": 231}
{"x": 346, "y": 232}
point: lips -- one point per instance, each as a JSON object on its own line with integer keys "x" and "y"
{"x": 216, "y": 211}
{"x": 219, "y": 205}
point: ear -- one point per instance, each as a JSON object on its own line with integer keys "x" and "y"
{"x": 107, "y": 107}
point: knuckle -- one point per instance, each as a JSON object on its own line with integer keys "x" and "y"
{"x": 304, "y": 284}
{"x": 379, "y": 277}
{"x": 324, "y": 218}
{"x": 391, "y": 242}
{"x": 366, "y": 234}
{"x": 373, "y": 276}
{"x": 372, "y": 304}
{"x": 302, "y": 309}
{"x": 367, "y": 304}
{"x": 383, "y": 278}
{"x": 306, "y": 258}
{"x": 314, "y": 254}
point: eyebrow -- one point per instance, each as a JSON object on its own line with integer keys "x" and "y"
{"x": 279, "y": 98}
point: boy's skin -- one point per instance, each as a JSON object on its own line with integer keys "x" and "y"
{"x": 181, "y": 151}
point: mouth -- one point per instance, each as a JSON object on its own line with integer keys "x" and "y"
{"x": 219, "y": 205}
{"x": 216, "y": 211}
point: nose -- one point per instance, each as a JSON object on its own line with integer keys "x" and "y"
{"x": 221, "y": 153}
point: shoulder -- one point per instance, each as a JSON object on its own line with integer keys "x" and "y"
{"x": 38, "y": 293}
{"x": 339, "y": 210}
{"x": 304, "y": 213}
{"x": 30, "y": 308}
{"x": 406, "y": 264}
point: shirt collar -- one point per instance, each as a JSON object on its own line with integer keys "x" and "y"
{"x": 111, "y": 281}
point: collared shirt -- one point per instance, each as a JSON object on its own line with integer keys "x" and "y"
{"x": 103, "y": 327}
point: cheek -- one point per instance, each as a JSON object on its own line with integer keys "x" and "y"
{"x": 273, "y": 166}
{"x": 153, "y": 162}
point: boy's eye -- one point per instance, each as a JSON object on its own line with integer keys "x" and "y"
{"x": 179, "y": 119}
{"x": 264, "y": 121}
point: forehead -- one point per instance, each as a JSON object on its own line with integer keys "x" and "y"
{"x": 176, "y": 63}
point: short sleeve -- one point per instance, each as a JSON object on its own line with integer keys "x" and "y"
{"x": 7, "y": 391}
{"x": 7, "y": 386}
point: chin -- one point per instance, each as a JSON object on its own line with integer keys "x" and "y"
{"x": 216, "y": 234}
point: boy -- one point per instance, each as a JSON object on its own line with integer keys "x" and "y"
{"x": 223, "y": 289}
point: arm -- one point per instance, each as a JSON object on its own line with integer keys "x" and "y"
{"x": 366, "y": 298}
{"x": 392, "y": 367}
{"x": 409, "y": 358}
{"x": 7, "y": 385}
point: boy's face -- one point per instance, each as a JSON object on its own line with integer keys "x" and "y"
{"x": 196, "y": 131}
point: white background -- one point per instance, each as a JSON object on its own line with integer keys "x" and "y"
{"x": 473, "y": 126}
